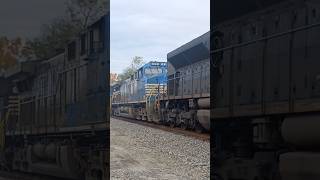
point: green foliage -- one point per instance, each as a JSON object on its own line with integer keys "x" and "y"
{"x": 136, "y": 63}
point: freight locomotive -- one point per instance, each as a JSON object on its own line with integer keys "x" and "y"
{"x": 182, "y": 96}
{"x": 265, "y": 90}
{"x": 136, "y": 97}
{"x": 53, "y": 112}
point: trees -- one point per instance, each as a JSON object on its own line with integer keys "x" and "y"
{"x": 54, "y": 38}
{"x": 84, "y": 12}
{"x": 56, "y": 35}
{"x": 113, "y": 78}
{"x": 11, "y": 50}
{"x": 136, "y": 63}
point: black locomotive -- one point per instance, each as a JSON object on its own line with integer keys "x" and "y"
{"x": 53, "y": 112}
{"x": 266, "y": 90}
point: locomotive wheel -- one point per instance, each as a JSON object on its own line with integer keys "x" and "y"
{"x": 182, "y": 123}
{"x": 94, "y": 175}
{"x": 172, "y": 124}
{"x": 217, "y": 177}
{"x": 166, "y": 121}
{"x": 276, "y": 176}
{"x": 184, "y": 126}
{"x": 192, "y": 124}
{"x": 199, "y": 128}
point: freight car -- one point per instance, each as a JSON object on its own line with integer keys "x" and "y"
{"x": 182, "y": 96}
{"x": 53, "y": 112}
{"x": 265, "y": 92}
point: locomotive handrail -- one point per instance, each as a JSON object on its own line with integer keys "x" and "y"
{"x": 72, "y": 68}
{"x": 183, "y": 76}
{"x": 164, "y": 93}
{"x": 266, "y": 38}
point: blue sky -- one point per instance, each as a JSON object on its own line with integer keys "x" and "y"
{"x": 152, "y": 28}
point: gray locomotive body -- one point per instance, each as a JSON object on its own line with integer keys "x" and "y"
{"x": 188, "y": 96}
{"x": 54, "y": 111}
{"x": 266, "y": 92}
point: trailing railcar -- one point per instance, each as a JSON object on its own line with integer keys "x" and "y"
{"x": 266, "y": 93}
{"x": 54, "y": 111}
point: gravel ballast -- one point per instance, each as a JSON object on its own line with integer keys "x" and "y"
{"x": 140, "y": 152}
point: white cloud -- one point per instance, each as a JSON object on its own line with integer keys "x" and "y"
{"x": 25, "y": 18}
{"x": 152, "y": 28}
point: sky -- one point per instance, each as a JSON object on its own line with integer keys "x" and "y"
{"x": 153, "y": 28}
{"x": 24, "y": 18}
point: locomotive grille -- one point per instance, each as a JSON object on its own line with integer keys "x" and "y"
{"x": 154, "y": 89}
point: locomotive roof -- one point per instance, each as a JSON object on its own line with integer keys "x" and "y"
{"x": 22, "y": 68}
{"x": 143, "y": 66}
{"x": 196, "y": 50}
{"x": 239, "y": 8}
{"x": 252, "y": 9}
{"x": 150, "y": 63}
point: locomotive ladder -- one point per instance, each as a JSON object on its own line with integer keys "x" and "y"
{"x": 154, "y": 90}
{"x": 13, "y": 110}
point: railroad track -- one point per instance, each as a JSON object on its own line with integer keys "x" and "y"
{"x": 176, "y": 130}
{"x": 17, "y": 175}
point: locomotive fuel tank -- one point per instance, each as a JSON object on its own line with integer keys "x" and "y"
{"x": 203, "y": 115}
{"x": 204, "y": 103}
{"x": 302, "y": 130}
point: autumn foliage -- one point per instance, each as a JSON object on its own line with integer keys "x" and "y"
{"x": 11, "y": 51}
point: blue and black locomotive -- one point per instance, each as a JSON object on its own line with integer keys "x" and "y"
{"x": 176, "y": 93}
{"x": 136, "y": 96}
